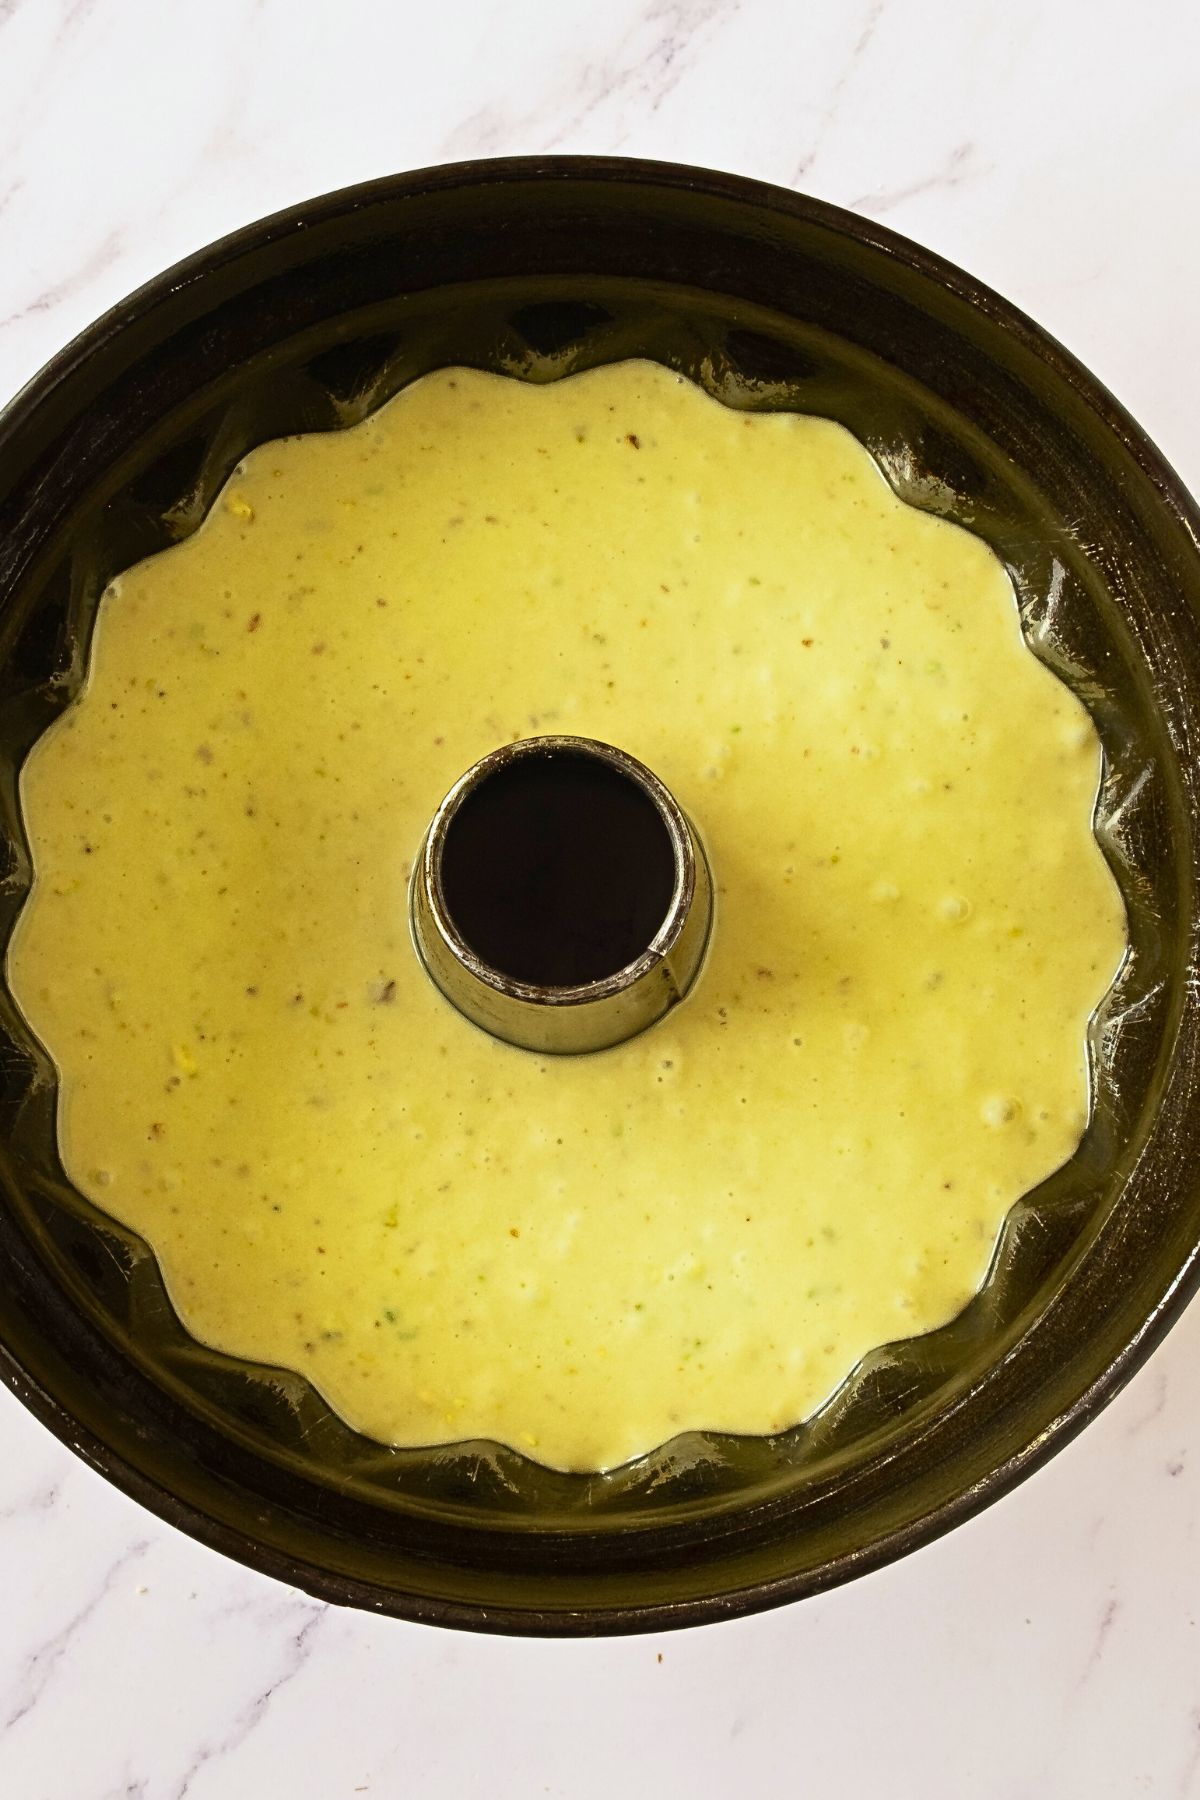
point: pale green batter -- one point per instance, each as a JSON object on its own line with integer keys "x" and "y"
{"x": 708, "y": 1225}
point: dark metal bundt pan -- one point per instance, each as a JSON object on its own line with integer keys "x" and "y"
{"x": 539, "y": 268}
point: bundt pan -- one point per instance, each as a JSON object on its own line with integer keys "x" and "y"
{"x": 540, "y": 268}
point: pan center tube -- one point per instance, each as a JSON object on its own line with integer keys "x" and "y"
{"x": 561, "y": 900}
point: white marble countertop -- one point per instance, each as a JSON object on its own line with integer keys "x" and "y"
{"x": 1049, "y": 1648}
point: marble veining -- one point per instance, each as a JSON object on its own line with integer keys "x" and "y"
{"x": 42, "y": 1661}
{"x": 299, "y": 1647}
{"x": 649, "y": 61}
{"x": 834, "y": 101}
{"x": 961, "y": 165}
{"x": 1051, "y": 1647}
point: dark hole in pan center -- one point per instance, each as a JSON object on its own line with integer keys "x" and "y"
{"x": 557, "y": 869}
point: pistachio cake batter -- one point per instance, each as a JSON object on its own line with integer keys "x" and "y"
{"x": 708, "y": 1225}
